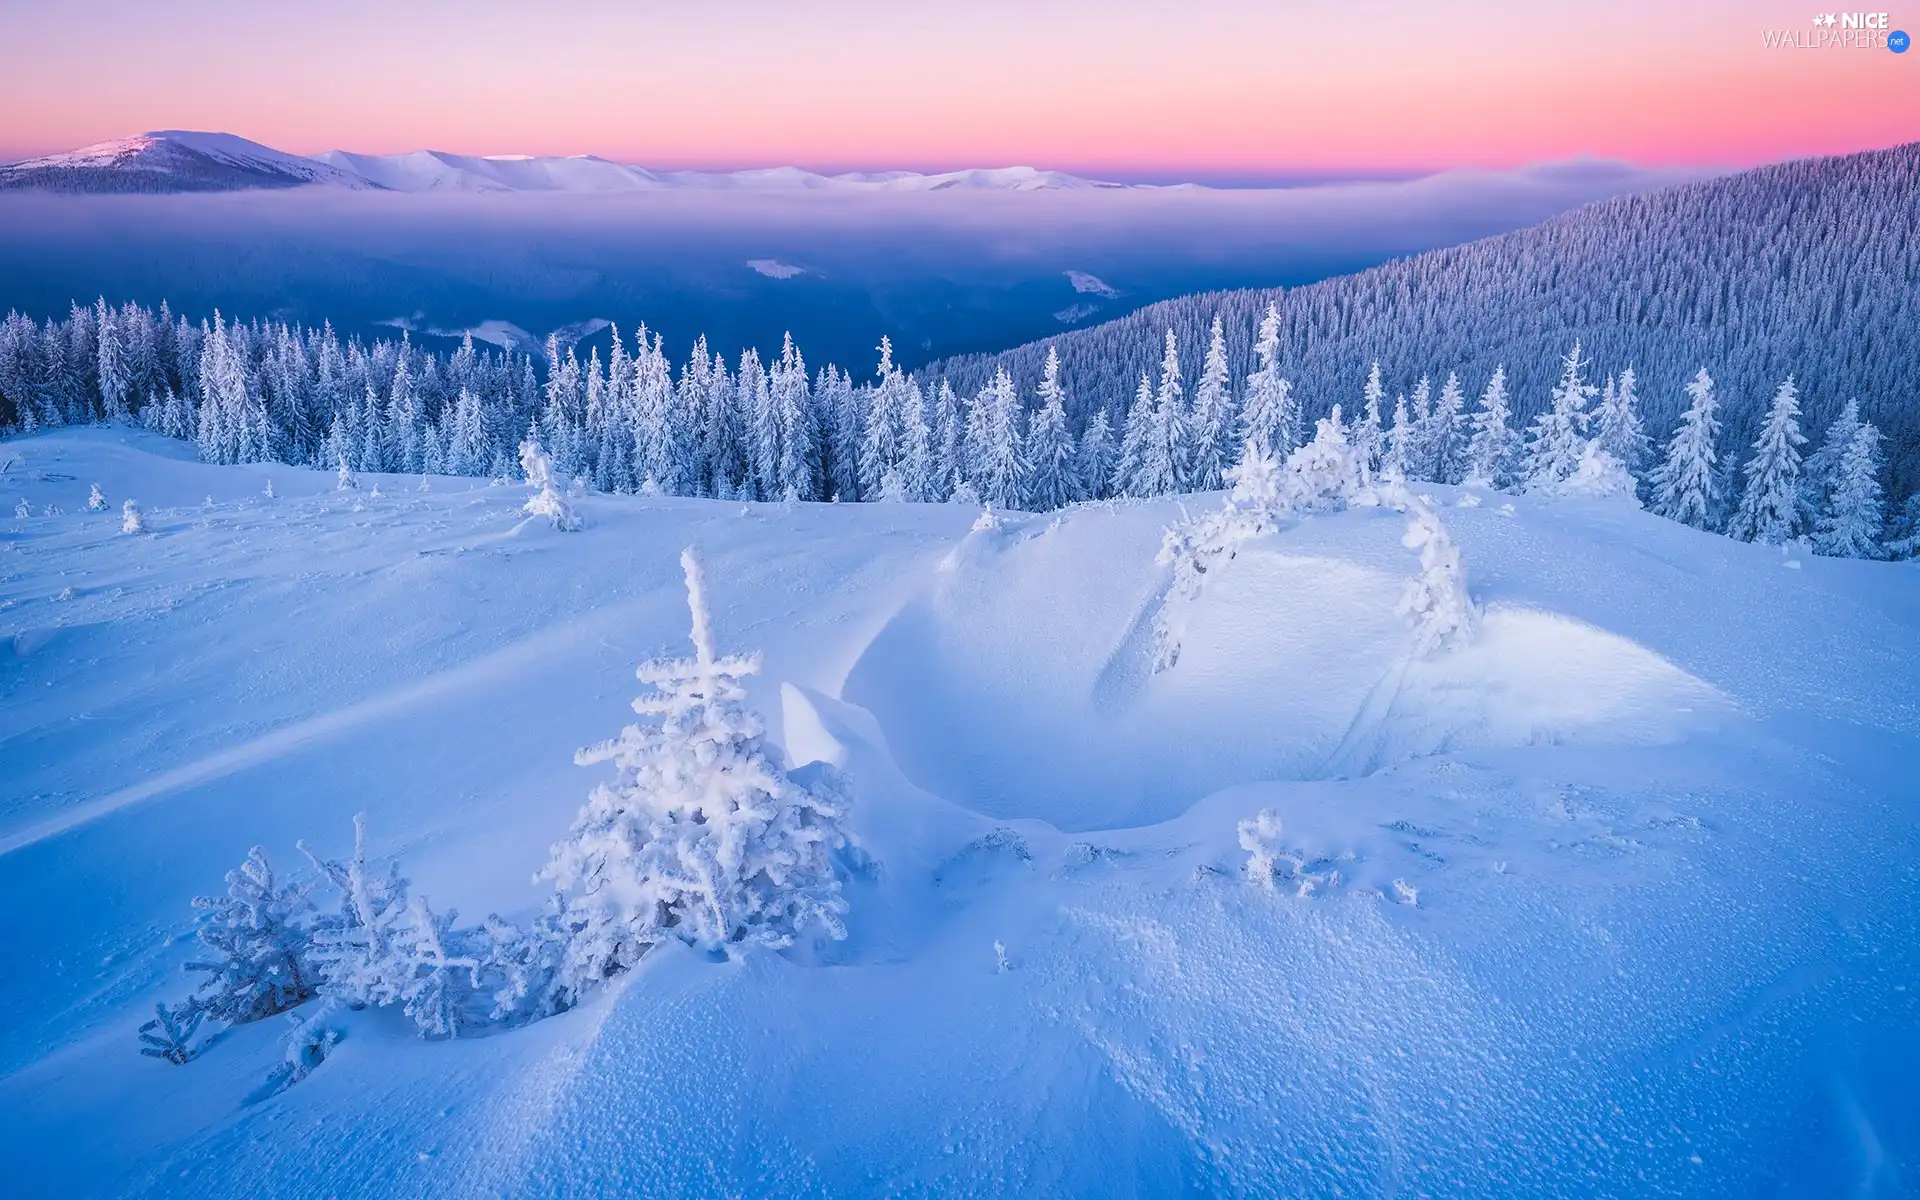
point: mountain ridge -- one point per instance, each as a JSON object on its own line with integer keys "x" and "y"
{"x": 174, "y": 160}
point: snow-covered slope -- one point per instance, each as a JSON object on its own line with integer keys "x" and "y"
{"x": 1618, "y": 898}
{"x": 173, "y": 160}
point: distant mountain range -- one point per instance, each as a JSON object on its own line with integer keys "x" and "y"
{"x": 175, "y": 160}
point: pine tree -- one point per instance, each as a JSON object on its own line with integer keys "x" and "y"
{"x": 1049, "y": 450}
{"x": 96, "y": 499}
{"x": 1326, "y": 472}
{"x": 1853, "y": 519}
{"x": 1271, "y": 415}
{"x": 700, "y": 836}
{"x": 1213, "y": 419}
{"x": 1686, "y": 487}
{"x": 1559, "y": 435}
{"x": 259, "y": 946}
{"x": 1417, "y": 458}
{"x": 359, "y": 950}
{"x": 1620, "y": 432}
{"x": 1772, "y": 510}
{"x": 881, "y": 445}
{"x": 130, "y": 519}
{"x": 1494, "y": 444}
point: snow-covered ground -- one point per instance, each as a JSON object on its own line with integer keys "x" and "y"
{"x": 1619, "y": 898}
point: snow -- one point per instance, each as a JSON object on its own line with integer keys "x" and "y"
{"x": 1616, "y": 896}
{"x": 773, "y": 268}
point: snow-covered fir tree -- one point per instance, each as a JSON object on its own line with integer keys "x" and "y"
{"x": 96, "y": 499}
{"x": 1270, "y": 414}
{"x": 1213, "y": 420}
{"x": 1093, "y": 464}
{"x": 1494, "y": 444}
{"x": 131, "y": 520}
{"x": 1903, "y": 531}
{"x": 546, "y": 500}
{"x": 1326, "y": 472}
{"x": 997, "y": 465}
{"x": 1135, "y": 433}
{"x": 1772, "y": 508}
{"x": 1401, "y": 445}
{"x": 1165, "y": 455}
{"x": 700, "y": 835}
{"x": 1367, "y": 436}
{"x": 1852, "y": 520}
{"x": 257, "y": 963}
{"x": 1444, "y": 441}
{"x": 1049, "y": 452}
{"x": 1686, "y": 486}
{"x": 1820, "y": 473}
{"x": 1559, "y": 434}
{"x": 1618, "y": 429}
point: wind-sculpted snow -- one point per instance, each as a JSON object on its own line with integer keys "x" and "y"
{"x": 1613, "y": 897}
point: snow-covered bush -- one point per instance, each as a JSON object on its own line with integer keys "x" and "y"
{"x": 1326, "y": 472}
{"x": 256, "y": 932}
{"x": 344, "y": 480}
{"x": 1260, "y": 838}
{"x": 1436, "y": 603}
{"x": 130, "y": 519}
{"x": 546, "y": 500}
{"x": 1597, "y": 475}
{"x": 96, "y": 499}
{"x": 169, "y": 1036}
{"x": 700, "y": 836}
{"x": 24, "y": 509}
{"x": 1195, "y": 545}
{"x": 987, "y": 521}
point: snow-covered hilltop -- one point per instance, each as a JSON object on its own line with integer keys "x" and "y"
{"x": 174, "y": 160}
{"x": 1471, "y": 843}
{"x": 186, "y": 161}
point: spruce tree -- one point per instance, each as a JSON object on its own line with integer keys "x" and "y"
{"x": 1619, "y": 431}
{"x": 1094, "y": 459}
{"x": 1049, "y": 449}
{"x": 1686, "y": 487}
{"x": 1772, "y": 509}
{"x": 700, "y": 836}
{"x": 999, "y": 469}
{"x": 1270, "y": 415}
{"x": 1494, "y": 444}
{"x": 1133, "y": 441}
{"x": 1213, "y": 417}
{"x": 1366, "y": 435}
{"x": 1559, "y": 434}
{"x": 1853, "y": 520}
{"x": 1165, "y": 457}
{"x": 1445, "y": 442}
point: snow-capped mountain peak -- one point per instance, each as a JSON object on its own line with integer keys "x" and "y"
{"x": 176, "y": 160}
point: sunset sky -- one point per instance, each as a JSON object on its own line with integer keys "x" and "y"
{"x": 1199, "y": 87}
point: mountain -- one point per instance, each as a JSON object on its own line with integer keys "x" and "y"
{"x": 1808, "y": 268}
{"x": 173, "y": 160}
{"x": 184, "y": 161}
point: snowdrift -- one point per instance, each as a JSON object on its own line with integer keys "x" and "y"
{"x": 1617, "y": 898}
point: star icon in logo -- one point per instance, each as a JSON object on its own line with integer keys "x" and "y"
{"x": 1823, "y": 19}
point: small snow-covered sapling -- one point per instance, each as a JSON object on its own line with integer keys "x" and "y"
{"x": 96, "y": 500}
{"x": 130, "y": 519}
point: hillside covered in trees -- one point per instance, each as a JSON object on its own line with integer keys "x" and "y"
{"x": 1808, "y": 268}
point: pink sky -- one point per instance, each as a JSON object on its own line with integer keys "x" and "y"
{"x": 1201, "y": 86}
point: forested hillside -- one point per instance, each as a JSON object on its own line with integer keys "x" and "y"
{"x": 1808, "y": 268}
